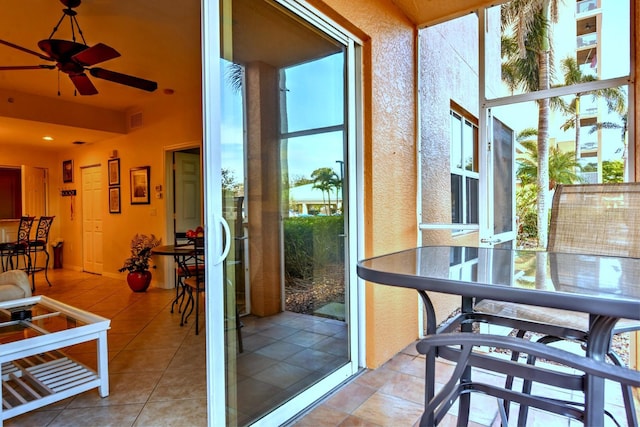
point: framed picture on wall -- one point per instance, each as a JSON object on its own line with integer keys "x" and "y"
{"x": 67, "y": 171}
{"x": 114, "y": 172}
{"x": 114, "y": 200}
{"x": 140, "y": 187}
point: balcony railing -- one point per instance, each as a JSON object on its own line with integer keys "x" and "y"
{"x": 586, "y": 40}
{"x": 586, "y": 6}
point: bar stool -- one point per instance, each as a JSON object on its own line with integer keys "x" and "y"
{"x": 38, "y": 245}
{"x": 11, "y": 251}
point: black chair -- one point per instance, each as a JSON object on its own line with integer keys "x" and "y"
{"x": 195, "y": 283}
{"x": 12, "y": 251}
{"x": 39, "y": 245}
{"x": 184, "y": 267}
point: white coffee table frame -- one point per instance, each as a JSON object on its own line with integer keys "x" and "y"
{"x": 62, "y": 377}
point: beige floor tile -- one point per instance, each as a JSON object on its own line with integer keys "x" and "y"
{"x": 352, "y": 421}
{"x": 388, "y": 410}
{"x": 322, "y": 416}
{"x": 180, "y": 385}
{"x": 190, "y": 412}
{"x": 350, "y": 397}
{"x": 116, "y": 416}
{"x": 407, "y": 387}
{"x": 141, "y": 360}
{"x": 124, "y": 389}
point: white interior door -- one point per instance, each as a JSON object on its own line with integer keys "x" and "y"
{"x": 187, "y": 191}
{"x": 92, "y": 220}
{"x": 34, "y": 191}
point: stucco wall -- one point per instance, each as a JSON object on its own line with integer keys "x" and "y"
{"x": 390, "y": 162}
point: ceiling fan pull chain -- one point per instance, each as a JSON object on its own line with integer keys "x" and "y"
{"x": 58, "y": 82}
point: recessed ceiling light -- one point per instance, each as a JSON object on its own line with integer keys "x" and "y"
{"x": 47, "y": 138}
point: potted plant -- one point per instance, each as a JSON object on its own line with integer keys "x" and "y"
{"x": 137, "y": 264}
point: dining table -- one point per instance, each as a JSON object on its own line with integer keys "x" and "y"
{"x": 180, "y": 253}
{"x": 603, "y": 287}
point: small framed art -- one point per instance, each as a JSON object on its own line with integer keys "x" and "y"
{"x": 67, "y": 171}
{"x": 140, "y": 187}
{"x": 114, "y": 200}
{"x": 114, "y": 172}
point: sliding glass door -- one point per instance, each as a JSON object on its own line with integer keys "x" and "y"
{"x": 287, "y": 137}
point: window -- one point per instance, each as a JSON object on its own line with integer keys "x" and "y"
{"x": 464, "y": 169}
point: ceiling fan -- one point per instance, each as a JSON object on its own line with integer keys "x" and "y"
{"x": 74, "y": 58}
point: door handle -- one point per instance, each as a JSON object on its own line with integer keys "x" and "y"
{"x": 226, "y": 241}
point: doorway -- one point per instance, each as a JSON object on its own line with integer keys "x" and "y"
{"x": 184, "y": 205}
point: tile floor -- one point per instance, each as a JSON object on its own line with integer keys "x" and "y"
{"x": 393, "y": 394}
{"x": 156, "y": 369}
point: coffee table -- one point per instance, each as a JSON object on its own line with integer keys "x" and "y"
{"x": 35, "y": 372}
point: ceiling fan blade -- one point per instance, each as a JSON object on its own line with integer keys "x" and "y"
{"x": 83, "y": 84}
{"x": 28, "y": 67}
{"x": 24, "y": 49}
{"x": 124, "y": 79}
{"x": 95, "y": 54}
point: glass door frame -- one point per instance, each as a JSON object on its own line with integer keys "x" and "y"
{"x": 211, "y": 172}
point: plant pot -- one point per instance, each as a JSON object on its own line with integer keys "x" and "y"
{"x": 139, "y": 281}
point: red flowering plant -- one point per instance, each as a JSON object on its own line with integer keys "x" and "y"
{"x": 141, "y": 246}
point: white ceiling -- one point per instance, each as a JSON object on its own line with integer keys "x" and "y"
{"x": 158, "y": 40}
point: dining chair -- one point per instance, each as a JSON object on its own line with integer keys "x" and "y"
{"x": 39, "y": 245}
{"x": 184, "y": 267}
{"x": 590, "y": 219}
{"x": 195, "y": 284}
{"x": 12, "y": 251}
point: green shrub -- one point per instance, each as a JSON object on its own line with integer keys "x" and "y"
{"x": 312, "y": 243}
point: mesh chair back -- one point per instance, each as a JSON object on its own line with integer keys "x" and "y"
{"x": 596, "y": 219}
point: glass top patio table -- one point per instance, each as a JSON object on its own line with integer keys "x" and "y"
{"x": 597, "y": 285}
{"x": 606, "y": 288}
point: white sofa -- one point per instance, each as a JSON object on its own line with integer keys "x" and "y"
{"x": 14, "y": 284}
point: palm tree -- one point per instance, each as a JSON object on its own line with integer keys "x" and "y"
{"x": 527, "y": 56}
{"x": 322, "y": 180}
{"x": 562, "y": 166}
{"x": 621, "y": 125}
{"x": 615, "y": 97}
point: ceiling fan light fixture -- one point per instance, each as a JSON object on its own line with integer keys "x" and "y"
{"x": 74, "y": 58}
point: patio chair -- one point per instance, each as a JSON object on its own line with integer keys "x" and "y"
{"x": 458, "y": 347}
{"x": 590, "y": 219}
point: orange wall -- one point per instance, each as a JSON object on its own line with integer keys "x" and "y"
{"x": 389, "y": 162}
{"x": 169, "y": 121}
